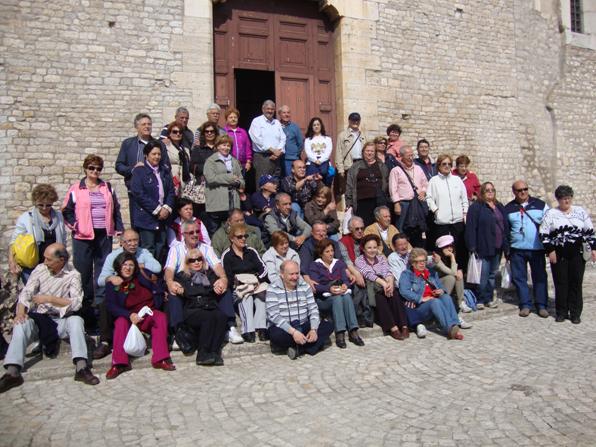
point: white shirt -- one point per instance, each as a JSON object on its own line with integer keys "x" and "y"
{"x": 178, "y": 252}
{"x": 318, "y": 148}
{"x": 266, "y": 134}
{"x": 357, "y": 148}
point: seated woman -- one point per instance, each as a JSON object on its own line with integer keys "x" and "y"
{"x": 279, "y": 252}
{"x": 382, "y": 293}
{"x": 322, "y": 208}
{"x": 450, "y": 274}
{"x": 201, "y": 313}
{"x": 184, "y": 209}
{"x": 241, "y": 259}
{"x": 124, "y": 302}
{"x": 426, "y": 297}
{"x": 333, "y": 293}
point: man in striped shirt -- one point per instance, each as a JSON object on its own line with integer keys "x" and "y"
{"x": 45, "y": 310}
{"x": 293, "y": 315}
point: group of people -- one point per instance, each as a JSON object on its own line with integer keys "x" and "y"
{"x": 206, "y": 247}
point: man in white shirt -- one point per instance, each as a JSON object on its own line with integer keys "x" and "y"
{"x": 268, "y": 142}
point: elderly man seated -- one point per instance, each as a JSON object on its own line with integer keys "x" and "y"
{"x": 293, "y": 315}
{"x": 221, "y": 240}
{"x": 129, "y": 242}
{"x": 46, "y": 310}
{"x": 284, "y": 218}
{"x": 299, "y": 186}
{"x": 383, "y": 228}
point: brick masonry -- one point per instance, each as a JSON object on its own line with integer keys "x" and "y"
{"x": 493, "y": 79}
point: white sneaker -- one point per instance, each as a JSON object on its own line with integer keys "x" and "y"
{"x": 464, "y": 324}
{"x": 465, "y": 308}
{"x": 421, "y": 331}
{"x": 175, "y": 346}
{"x": 494, "y": 303}
{"x": 480, "y": 306}
{"x": 234, "y": 337}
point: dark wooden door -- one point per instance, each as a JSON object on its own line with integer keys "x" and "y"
{"x": 288, "y": 37}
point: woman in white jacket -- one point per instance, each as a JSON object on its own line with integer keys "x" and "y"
{"x": 318, "y": 148}
{"x": 448, "y": 201}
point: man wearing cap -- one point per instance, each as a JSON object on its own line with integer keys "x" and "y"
{"x": 349, "y": 145}
{"x": 263, "y": 201}
{"x": 268, "y": 142}
{"x": 294, "y": 139}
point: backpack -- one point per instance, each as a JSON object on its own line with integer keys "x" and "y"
{"x": 470, "y": 299}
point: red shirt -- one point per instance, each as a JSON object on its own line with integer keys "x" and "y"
{"x": 138, "y": 296}
{"x": 428, "y": 292}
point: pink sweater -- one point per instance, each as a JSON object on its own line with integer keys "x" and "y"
{"x": 399, "y": 186}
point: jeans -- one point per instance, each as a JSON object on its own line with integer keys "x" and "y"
{"x": 287, "y": 167}
{"x": 296, "y": 207}
{"x": 486, "y": 288}
{"x": 282, "y": 339}
{"x": 322, "y": 169}
{"x": 441, "y": 308}
{"x": 155, "y": 241}
{"x": 519, "y": 276}
{"x": 342, "y": 309}
{"x": 401, "y": 218}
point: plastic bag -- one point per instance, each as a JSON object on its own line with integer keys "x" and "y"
{"x": 347, "y": 216}
{"x": 506, "y": 276}
{"x": 135, "y": 344}
{"x": 474, "y": 269}
{"x": 24, "y": 250}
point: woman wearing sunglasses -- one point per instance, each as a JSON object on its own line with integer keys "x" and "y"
{"x": 179, "y": 155}
{"x": 43, "y": 222}
{"x": 207, "y": 323}
{"x": 241, "y": 259}
{"x": 91, "y": 210}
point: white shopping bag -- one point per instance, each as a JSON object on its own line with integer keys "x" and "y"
{"x": 347, "y": 216}
{"x": 135, "y": 344}
{"x": 506, "y": 276}
{"x": 474, "y": 269}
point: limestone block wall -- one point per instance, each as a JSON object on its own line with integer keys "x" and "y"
{"x": 74, "y": 73}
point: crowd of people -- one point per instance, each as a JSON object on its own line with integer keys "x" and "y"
{"x": 230, "y": 224}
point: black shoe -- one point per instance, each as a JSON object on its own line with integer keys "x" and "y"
{"x": 102, "y": 350}
{"x": 249, "y": 337}
{"x": 576, "y": 320}
{"x": 293, "y": 352}
{"x": 263, "y": 334}
{"x": 355, "y": 338}
{"x": 340, "y": 340}
{"x": 86, "y": 376}
{"x": 369, "y": 323}
{"x": 218, "y": 359}
{"x": 51, "y": 351}
{"x": 276, "y": 350}
{"x": 560, "y": 319}
{"x": 205, "y": 358}
{"x": 7, "y": 382}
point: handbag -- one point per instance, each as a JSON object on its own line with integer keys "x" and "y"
{"x": 25, "y": 252}
{"x": 186, "y": 339}
{"x": 586, "y": 251}
{"x": 194, "y": 190}
{"x": 474, "y": 269}
{"x": 417, "y": 211}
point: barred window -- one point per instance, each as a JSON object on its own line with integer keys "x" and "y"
{"x": 576, "y": 16}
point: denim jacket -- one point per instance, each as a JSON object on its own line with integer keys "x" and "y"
{"x": 411, "y": 287}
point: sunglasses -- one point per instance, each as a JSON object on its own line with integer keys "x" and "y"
{"x": 193, "y": 260}
{"x": 175, "y": 132}
{"x": 94, "y": 168}
{"x": 358, "y": 228}
{"x": 445, "y": 164}
{"x": 209, "y": 131}
{"x": 522, "y": 190}
{"x": 240, "y": 236}
{"x": 43, "y": 205}
{"x": 417, "y": 261}
{"x": 193, "y": 232}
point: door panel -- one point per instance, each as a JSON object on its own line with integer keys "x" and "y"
{"x": 296, "y": 91}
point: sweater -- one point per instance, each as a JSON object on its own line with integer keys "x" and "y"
{"x": 285, "y": 306}
{"x": 325, "y": 276}
{"x": 566, "y": 232}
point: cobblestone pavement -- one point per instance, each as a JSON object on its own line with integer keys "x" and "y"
{"x": 512, "y": 381}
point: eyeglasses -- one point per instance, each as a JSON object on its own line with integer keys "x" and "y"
{"x": 209, "y": 131}
{"x": 240, "y": 236}
{"x": 522, "y": 190}
{"x": 417, "y": 261}
{"x": 192, "y": 233}
{"x": 358, "y": 228}
{"x": 175, "y": 132}
{"x": 193, "y": 260}
{"x": 131, "y": 241}
{"x": 43, "y": 205}
{"x": 445, "y": 163}
{"x": 94, "y": 168}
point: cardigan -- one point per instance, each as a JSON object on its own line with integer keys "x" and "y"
{"x": 481, "y": 230}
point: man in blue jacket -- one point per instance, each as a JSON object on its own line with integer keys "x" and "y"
{"x": 524, "y": 214}
{"x": 294, "y": 139}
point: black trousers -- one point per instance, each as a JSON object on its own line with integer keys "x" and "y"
{"x": 282, "y": 339}
{"x": 457, "y": 230}
{"x": 209, "y": 325}
{"x": 390, "y": 312}
{"x": 568, "y": 276}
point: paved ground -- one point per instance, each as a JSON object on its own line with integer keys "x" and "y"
{"x": 512, "y": 381}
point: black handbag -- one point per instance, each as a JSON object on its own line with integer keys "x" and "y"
{"x": 417, "y": 211}
{"x": 186, "y": 339}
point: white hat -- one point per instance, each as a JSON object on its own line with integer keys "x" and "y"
{"x": 444, "y": 241}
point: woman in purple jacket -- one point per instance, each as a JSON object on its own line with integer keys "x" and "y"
{"x": 333, "y": 293}
{"x": 241, "y": 147}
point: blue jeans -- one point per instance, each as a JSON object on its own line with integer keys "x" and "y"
{"x": 296, "y": 207}
{"x": 441, "y": 308}
{"x": 486, "y": 288}
{"x": 155, "y": 241}
{"x": 342, "y": 309}
{"x": 287, "y": 167}
{"x": 322, "y": 169}
{"x": 519, "y": 275}
{"x": 401, "y": 219}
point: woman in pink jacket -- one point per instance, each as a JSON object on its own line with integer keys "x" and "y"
{"x": 241, "y": 147}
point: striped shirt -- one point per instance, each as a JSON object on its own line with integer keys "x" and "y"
{"x": 178, "y": 251}
{"x": 380, "y": 267}
{"x": 285, "y": 306}
{"x": 98, "y": 209}
{"x": 65, "y": 284}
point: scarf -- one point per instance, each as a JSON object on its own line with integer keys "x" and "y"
{"x": 424, "y": 275}
{"x": 349, "y": 243}
{"x": 160, "y": 190}
{"x": 39, "y": 224}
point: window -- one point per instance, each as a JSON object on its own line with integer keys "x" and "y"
{"x": 576, "y": 16}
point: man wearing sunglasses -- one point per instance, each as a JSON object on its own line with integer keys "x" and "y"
{"x": 524, "y": 214}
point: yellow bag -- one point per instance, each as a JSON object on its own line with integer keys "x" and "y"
{"x": 25, "y": 251}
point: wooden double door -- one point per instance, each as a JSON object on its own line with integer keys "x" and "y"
{"x": 275, "y": 49}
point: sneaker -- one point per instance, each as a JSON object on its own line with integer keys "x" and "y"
{"x": 480, "y": 306}
{"x": 293, "y": 353}
{"x": 465, "y": 308}
{"x": 421, "y": 331}
{"x": 234, "y": 337}
{"x": 464, "y": 324}
{"x": 493, "y": 304}
{"x": 524, "y": 312}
